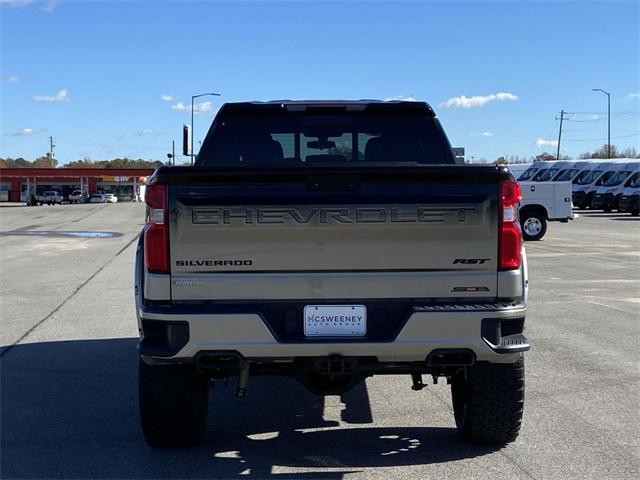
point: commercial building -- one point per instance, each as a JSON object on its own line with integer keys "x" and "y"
{"x": 17, "y": 184}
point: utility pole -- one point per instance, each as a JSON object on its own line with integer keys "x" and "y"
{"x": 562, "y": 112}
{"x": 173, "y": 152}
{"x": 51, "y": 147}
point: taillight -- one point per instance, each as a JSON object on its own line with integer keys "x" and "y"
{"x": 156, "y": 235}
{"x": 510, "y": 236}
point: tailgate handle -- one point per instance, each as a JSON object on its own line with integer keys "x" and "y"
{"x": 333, "y": 182}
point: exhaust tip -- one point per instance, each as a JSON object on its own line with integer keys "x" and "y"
{"x": 459, "y": 357}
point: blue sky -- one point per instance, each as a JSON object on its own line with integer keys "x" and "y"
{"x": 109, "y": 79}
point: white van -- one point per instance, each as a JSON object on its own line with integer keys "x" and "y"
{"x": 518, "y": 169}
{"x": 530, "y": 172}
{"x": 584, "y": 189}
{"x": 548, "y": 171}
{"x": 630, "y": 199}
{"x": 606, "y": 197}
{"x": 573, "y": 172}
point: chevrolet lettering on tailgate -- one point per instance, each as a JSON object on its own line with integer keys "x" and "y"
{"x": 330, "y": 215}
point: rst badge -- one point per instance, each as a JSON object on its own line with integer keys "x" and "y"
{"x": 470, "y": 261}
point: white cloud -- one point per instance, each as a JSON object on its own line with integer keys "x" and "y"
{"x": 13, "y": 79}
{"x": 198, "y": 108}
{"x": 50, "y": 6}
{"x": 478, "y": 100}
{"x": 26, "y": 132}
{"x": 204, "y": 107}
{"x": 179, "y": 106}
{"x": 61, "y": 96}
{"x": 634, "y": 95}
{"x": 166, "y": 98}
{"x": 144, "y": 132}
{"x": 482, "y": 134}
{"x": 540, "y": 142}
{"x": 401, "y": 98}
{"x": 16, "y": 3}
{"x": 581, "y": 117}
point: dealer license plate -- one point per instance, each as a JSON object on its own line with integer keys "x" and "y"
{"x": 335, "y": 320}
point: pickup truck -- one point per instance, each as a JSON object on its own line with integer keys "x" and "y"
{"x": 50, "y": 197}
{"x": 330, "y": 241}
{"x": 76, "y": 197}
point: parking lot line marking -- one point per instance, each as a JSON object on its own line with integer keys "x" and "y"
{"x": 607, "y": 306}
{"x": 53, "y": 312}
{"x": 605, "y": 280}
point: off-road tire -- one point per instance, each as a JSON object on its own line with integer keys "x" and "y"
{"x": 173, "y": 402}
{"x": 488, "y": 400}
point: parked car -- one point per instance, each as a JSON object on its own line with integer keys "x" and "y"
{"x": 549, "y": 171}
{"x": 573, "y": 173}
{"x": 50, "y": 197}
{"x": 585, "y": 188}
{"x": 529, "y": 173}
{"x": 517, "y": 169}
{"x": 76, "y": 197}
{"x": 630, "y": 199}
{"x": 97, "y": 198}
{"x": 607, "y": 196}
{"x": 111, "y": 198}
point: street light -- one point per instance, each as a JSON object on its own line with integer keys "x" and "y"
{"x": 193, "y": 97}
{"x": 608, "y": 119}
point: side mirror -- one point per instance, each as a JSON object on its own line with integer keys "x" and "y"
{"x": 186, "y": 141}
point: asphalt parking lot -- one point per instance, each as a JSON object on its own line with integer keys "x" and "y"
{"x": 69, "y": 372}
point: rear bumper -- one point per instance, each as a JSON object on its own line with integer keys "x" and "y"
{"x": 178, "y": 333}
{"x": 492, "y": 332}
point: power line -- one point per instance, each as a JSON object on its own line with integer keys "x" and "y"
{"x": 637, "y": 134}
{"x": 587, "y": 129}
{"x": 553, "y": 129}
{"x": 102, "y": 145}
{"x": 591, "y": 120}
{"x": 617, "y": 119}
{"x": 624, "y": 112}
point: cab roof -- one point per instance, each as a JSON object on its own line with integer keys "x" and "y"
{"x": 329, "y": 105}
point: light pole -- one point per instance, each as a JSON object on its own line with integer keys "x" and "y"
{"x": 193, "y": 97}
{"x": 608, "y": 119}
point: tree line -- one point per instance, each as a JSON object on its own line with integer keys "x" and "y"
{"x": 46, "y": 162}
{"x": 545, "y": 156}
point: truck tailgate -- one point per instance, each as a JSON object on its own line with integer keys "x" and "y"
{"x": 422, "y": 232}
